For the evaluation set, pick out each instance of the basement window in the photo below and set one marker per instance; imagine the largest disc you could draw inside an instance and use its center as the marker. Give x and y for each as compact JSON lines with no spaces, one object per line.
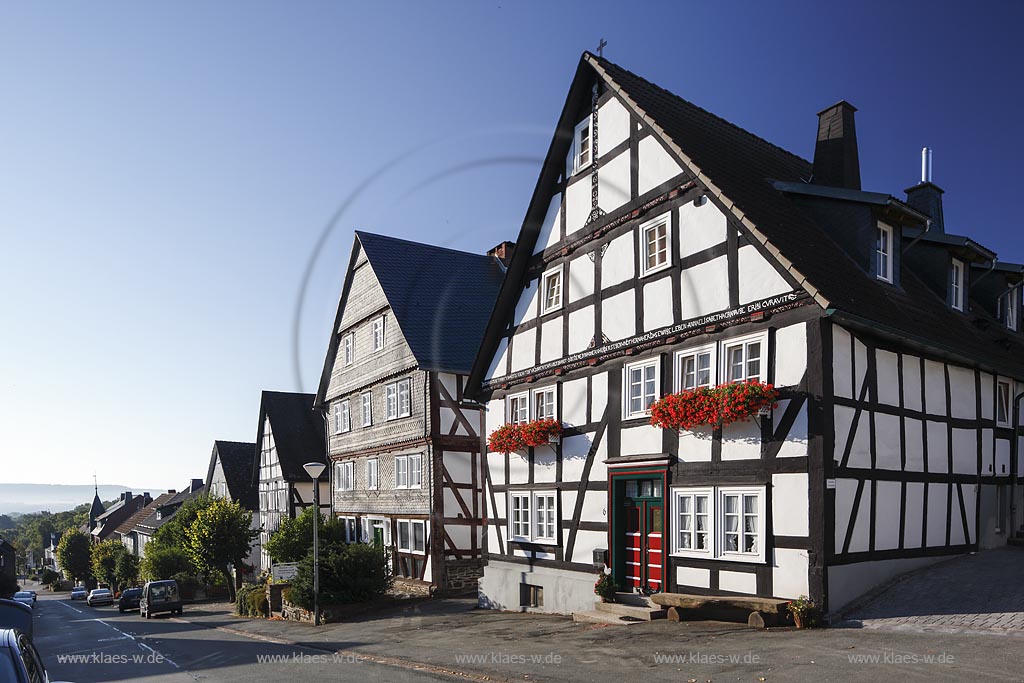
{"x":531,"y":595}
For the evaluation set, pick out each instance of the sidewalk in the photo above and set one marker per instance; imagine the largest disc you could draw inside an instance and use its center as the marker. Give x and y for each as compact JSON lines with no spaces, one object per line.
{"x":451,"y":638}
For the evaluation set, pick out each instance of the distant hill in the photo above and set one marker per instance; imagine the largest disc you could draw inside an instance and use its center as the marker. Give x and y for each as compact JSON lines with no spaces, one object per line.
{"x":21,"y":498}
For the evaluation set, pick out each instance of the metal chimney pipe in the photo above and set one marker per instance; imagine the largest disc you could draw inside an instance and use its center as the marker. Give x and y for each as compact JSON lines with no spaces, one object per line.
{"x":926,"y":165}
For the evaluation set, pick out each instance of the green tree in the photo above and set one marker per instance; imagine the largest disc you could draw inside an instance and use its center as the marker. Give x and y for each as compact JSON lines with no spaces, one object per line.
{"x":220,"y":537}
{"x":163,"y":562}
{"x":294,"y":538}
{"x":48,"y":577}
{"x":73,"y":555}
{"x":105,"y":557}
{"x":126,"y":570}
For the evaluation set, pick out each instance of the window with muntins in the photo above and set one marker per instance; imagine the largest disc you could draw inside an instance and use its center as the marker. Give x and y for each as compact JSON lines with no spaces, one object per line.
{"x":344,"y":476}
{"x":641,"y":381}
{"x":412,"y":536}
{"x":656,"y":245}
{"x":1012,"y":308}
{"x":956,"y":285}
{"x":533,"y":516}
{"x":378,"y":334}
{"x":725,"y":522}
{"x":372,"y":465}
{"x":408,"y":471}
{"x":544,"y":404}
{"x":1003,"y":403}
{"x":743,"y":359}
{"x":398,"y":401}
{"x":551,"y":290}
{"x":883,"y":252}
{"x":693,"y":521}
{"x":519,"y":408}
{"x":345,"y":416}
{"x":348,"y":344}
{"x":695,"y":368}
{"x":581,"y":146}
{"x":367,"y":408}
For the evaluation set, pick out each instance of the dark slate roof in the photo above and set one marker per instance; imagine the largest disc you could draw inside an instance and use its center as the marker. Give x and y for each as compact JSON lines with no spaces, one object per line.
{"x":140,"y":515}
{"x":237,"y":460}
{"x":97,"y":508}
{"x":743,"y":166}
{"x":298,"y":432}
{"x":441,"y":298}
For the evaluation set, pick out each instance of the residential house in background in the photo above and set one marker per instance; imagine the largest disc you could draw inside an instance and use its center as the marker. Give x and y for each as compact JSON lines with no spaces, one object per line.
{"x":127,"y":533}
{"x":404,"y":443}
{"x":290,"y":434}
{"x":665,"y":250}
{"x":104,"y":526}
{"x":143,"y":531}
{"x":230,"y":476}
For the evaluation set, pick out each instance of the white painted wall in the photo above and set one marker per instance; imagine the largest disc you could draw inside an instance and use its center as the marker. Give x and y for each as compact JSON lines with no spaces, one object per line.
{"x":550,"y":229}
{"x":613,"y":181}
{"x":704,"y":288}
{"x":700,"y":228}
{"x":655,"y":164}
{"x":613,"y":124}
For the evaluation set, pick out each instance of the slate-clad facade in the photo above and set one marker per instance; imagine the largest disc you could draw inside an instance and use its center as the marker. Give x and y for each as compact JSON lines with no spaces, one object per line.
{"x":665,"y":248}
{"x":404,"y":443}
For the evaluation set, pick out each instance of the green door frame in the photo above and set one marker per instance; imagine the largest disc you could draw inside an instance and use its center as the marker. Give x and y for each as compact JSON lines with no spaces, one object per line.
{"x":616,"y":505}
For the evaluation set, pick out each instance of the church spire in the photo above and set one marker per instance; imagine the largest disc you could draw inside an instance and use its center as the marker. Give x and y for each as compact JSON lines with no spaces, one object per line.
{"x":97,"y":508}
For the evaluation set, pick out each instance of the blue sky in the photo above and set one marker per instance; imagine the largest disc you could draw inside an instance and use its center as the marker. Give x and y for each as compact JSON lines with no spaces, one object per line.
{"x":166,"y":170}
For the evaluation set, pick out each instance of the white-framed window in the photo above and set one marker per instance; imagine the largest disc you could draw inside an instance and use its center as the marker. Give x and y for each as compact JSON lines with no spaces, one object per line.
{"x":956,"y":285}
{"x":1003,"y":398}
{"x":348,"y":348}
{"x":369,"y":527}
{"x":342,"y":417}
{"x":695,"y":368}
{"x":372,"y":470}
{"x":544,"y":405}
{"x":641,"y":381}
{"x":725,"y":522}
{"x":883,"y":252}
{"x":551,"y":290}
{"x":743,"y":359}
{"x":398,"y":399}
{"x":412,"y":536}
{"x":519,"y":408}
{"x":1012,"y":308}
{"x":581,"y":147}
{"x":533,"y":516}
{"x":378,"y":334}
{"x":693,"y":522}
{"x":655,"y":245}
{"x":408,"y":471}
{"x":351,"y":530}
{"x":367,"y":408}
{"x":344,"y":476}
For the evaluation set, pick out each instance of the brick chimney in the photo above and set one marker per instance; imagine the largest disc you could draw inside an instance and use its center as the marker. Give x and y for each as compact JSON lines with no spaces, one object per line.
{"x":836,"y":162}
{"x":503,"y":252}
{"x":926,"y":196}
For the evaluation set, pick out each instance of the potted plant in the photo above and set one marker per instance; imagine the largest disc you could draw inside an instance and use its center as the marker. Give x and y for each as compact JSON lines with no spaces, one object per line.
{"x":505,"y":439}
{"x":804,"y":611}
{"x":605,"y":587}
{"x":540,"y":432}
{"x":713,"y":406}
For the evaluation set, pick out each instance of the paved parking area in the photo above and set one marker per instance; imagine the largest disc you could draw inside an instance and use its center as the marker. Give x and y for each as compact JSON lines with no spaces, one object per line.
{"x":976,"y":593}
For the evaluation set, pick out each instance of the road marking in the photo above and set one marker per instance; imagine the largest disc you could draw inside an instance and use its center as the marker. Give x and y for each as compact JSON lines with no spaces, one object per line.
{"x":69,"y":606}
{"x":160,"y":654}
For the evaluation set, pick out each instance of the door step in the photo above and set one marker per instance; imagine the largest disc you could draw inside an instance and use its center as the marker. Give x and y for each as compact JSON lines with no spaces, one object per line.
{"x":599,"y":617}
{"x":642,"y":613}
{"x":635,"y":599}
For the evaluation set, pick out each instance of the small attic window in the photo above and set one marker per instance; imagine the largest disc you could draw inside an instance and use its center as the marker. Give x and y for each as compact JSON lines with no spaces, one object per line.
{"x":581,"y":145}
{"x":883,"y":252}
{"x":1012,"y":308}
{"x":956,"y":285}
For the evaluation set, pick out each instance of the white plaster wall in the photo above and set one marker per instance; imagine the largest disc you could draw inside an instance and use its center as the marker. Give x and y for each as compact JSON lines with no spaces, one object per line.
{"x":845,"y":491}
{"x":655,"y":164}
{"x":789,"y":505}
{"x":956,"y":524}
{"x":938,"y":447}
{"x":789,"y":573}
{"x":599,"y":395}
{"x":657,"y":304}
{"x":695,"y":445}
{"x":705,"y":288}
{"x":494,"y":414}
{"x":581,"y":329}
{"x":594,"y":507}
{"x":613,"y":124}
{"x":693,"y":576}
{"x":913,"y":436}
{"x":617,"y":263}
{"x":937,"y":513}
{"x":887,"y":367}
{"x":518,"y":469}
{"x":795,"y":443}
{"x":790,"y":354}
{"x":887,"y":442}
{"x":842,"y":382}
{"x":934,"y":388}
{"x":965,"y":451}
{"x":459,"y":466}
{"x":577,"y":205}
{"x":759,"y":278}
{"x":544,"y":459}
{"x":860,"y":541}
{"x":581,"y":278}
{"x":987,"y":455}
{"x":700,"y":228}
{"x":613,"y":182}
{"x":860,"y":450}
{"x":987,"y":393}
{"x":574,"y":402}
{"x":914,"y":515}
{"x":618,"y":316}
{"x":887,"y":515}
{"x":496,"y":468}
{"x":860,"y":353}
{"x":911,"y":382}
{"x":970,"y":506}
{"x":737,"y":582}
{"x":847,"y":582}
{"x":564,"y":592}
{"x":551,"y":340}
{"x":524,"y":349}
{"x":550,"y":229}
{"x":644,"y":439}
{"x":574,"y":456}
{"x":1002,"y":464}
{"x":586,"y":543}
{"x":961,"y":388}
{"x":500,"y":360}
{"x":741,"y":441}
{"x":526,"y":307}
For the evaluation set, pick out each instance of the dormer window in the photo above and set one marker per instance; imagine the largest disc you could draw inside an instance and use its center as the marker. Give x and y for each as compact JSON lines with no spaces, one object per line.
{"x":883,"y":252}
{"x":581,"y":145}
{"x":956,"y":285}
{"x":1012,"y":308}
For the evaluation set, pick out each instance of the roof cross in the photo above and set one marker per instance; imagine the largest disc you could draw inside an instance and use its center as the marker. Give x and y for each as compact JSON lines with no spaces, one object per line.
{"x":601,"y":46}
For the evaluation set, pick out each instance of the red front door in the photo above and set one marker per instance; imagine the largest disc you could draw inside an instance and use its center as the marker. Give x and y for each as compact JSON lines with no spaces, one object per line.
{"x":644,"y":560}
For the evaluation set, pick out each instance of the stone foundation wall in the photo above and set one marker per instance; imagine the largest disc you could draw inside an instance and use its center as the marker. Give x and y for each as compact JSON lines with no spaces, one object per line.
{"x":462,"y":576}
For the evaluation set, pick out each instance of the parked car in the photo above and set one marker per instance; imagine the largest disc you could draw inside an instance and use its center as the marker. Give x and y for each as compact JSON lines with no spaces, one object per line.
{"x":19,"y":659}
{"x":26,"y":598}
{"x":100,"y":596}
{"x":16,"y":615}
{"x":79,"y":593}
{"x":160,"y":596}
{"x":129,"y":599}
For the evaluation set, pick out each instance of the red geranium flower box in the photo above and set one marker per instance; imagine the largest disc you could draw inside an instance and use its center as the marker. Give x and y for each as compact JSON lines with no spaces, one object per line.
{"x":717,"y":406}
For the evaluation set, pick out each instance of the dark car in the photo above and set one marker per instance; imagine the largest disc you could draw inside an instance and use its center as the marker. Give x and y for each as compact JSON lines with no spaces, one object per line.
{"x":19,"y":660}
{"x":16,"y":615}
{"x":129,"y":599}
{"x":160,"y":596}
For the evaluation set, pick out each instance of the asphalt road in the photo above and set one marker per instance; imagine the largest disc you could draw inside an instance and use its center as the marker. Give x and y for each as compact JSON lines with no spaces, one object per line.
{"x":91,"y":644}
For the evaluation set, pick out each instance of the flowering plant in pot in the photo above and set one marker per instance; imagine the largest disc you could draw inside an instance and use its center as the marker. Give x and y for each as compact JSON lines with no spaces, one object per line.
{"x":714,"y":406}
{"x":605,"y":587}
{"x":506,"y":439}
{"x":804,"y":611}
{"x":540,"y":432}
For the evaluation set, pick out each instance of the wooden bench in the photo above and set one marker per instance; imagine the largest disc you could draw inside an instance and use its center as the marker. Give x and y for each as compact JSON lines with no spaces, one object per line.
{"x":761,"y":612}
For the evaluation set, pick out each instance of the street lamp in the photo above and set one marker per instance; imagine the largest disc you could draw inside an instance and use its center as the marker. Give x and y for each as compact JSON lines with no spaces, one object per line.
{"x":314,"y":470}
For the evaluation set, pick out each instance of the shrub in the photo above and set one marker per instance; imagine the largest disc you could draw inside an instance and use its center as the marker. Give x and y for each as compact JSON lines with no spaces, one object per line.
{"x":605,"y":587}
{"x":355,"y":572}
{"x":294,"y":538}
{"x":251,"y":600}
{"x":48,"y":577}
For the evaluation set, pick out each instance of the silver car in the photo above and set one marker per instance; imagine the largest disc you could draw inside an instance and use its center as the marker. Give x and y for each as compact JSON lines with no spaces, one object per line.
{"x":25,"y":598}
{"x":100,"y":596}
{"x":79,"y":593}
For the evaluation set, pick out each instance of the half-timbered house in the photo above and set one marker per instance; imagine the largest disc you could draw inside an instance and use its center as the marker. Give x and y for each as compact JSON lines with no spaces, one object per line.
{"x":665,"y":250}
{"x":290,"y":433}
{"x":403,"y":440}
{"x":230,"y":477}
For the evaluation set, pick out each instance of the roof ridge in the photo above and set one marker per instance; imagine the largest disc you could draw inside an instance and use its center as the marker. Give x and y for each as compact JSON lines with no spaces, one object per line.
{"x":421,"y":245}
{"x":713,"y":115}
